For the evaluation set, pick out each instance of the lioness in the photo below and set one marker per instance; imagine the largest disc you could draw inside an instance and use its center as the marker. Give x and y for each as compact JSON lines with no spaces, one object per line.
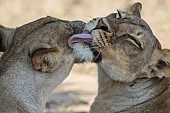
{"x":36,"y":59}
{"x":134,"y":68}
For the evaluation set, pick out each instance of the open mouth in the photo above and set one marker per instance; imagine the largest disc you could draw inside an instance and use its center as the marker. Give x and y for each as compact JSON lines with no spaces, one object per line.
{"x":80,"y":38}
{"x":85,"y":47}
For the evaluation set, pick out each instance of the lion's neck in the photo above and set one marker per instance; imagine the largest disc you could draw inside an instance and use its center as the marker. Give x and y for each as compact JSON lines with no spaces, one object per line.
{"x":24,"y":91}
{"x":116,"y":96}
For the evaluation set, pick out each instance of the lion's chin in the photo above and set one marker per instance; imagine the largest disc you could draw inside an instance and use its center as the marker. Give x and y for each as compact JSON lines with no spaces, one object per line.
{"x":82,"y":53}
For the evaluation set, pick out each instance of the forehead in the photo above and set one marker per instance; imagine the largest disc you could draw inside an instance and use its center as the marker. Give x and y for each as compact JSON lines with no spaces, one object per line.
{"x":129,"y":19}
{"x":46,"y":32}
{"x":44,"y":28}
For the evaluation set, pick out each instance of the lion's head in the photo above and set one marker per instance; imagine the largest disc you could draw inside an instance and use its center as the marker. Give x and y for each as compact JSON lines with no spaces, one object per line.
{"x":127,"y":45}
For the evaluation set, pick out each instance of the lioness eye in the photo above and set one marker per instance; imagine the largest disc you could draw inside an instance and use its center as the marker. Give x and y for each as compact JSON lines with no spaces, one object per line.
{"x":135,"y":42}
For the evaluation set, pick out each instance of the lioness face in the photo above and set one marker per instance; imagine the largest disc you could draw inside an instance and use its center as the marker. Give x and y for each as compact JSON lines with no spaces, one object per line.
{"x":43,"y":43}
{"x":39,"y":48}
{"x":36,"y":59}
{"x":126,"y":44}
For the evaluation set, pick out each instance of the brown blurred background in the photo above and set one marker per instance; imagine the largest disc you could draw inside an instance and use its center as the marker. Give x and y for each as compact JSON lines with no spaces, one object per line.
{"x":78,"y":91}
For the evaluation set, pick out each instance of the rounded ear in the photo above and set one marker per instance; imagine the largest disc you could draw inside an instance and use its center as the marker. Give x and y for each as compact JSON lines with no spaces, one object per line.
{"x":136,"y":9}
{"x":160,"y":64}
{"x":6,"y":37}
{"x":45,"y":60}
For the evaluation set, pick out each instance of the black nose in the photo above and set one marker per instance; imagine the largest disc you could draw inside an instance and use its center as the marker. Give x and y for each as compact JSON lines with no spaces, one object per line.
{"x":101,"y":25}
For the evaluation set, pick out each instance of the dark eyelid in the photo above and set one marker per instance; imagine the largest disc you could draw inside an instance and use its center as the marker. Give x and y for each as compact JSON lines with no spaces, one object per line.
{"x":132,"y":38}
{"x":136,"y":41}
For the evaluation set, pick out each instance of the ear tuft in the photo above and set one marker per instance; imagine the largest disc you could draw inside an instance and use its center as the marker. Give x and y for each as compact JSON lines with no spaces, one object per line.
{"x":45,"y":60}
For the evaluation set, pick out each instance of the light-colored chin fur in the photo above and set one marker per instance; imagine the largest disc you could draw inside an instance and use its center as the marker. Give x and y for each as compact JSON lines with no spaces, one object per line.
{"x":82,"y":53}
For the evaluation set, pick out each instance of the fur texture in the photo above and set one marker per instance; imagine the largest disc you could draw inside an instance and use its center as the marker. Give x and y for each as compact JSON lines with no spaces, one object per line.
{"x":82,"y":52}
{"x":130,"y":73}
{"x":35,"y":61}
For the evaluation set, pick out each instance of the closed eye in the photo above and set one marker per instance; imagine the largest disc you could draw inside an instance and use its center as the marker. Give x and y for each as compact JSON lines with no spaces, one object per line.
{"x":134,"y":41}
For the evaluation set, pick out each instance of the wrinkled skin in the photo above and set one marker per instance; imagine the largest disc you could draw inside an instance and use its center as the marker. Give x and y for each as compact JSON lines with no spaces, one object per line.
{"x":36,"y":59}
{"x":133,"y":74}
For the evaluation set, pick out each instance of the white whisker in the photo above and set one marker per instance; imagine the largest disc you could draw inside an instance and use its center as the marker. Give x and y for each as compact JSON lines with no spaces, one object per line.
{"x":97,"y":55}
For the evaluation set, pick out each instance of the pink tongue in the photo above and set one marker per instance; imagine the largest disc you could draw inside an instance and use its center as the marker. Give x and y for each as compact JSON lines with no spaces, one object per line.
{"x":78,"y":38}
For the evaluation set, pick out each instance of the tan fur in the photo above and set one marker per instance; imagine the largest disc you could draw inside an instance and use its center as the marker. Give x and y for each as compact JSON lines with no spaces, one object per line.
{"x":46,"y":60}
{"x":132,"y":64}
{"x":35,"y":61}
